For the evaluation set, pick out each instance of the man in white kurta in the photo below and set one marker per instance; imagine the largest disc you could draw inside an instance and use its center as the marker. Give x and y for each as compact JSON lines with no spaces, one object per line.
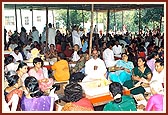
{"x":76,"y":37}
{"x":159,"y":72}
{"x":117,"y":49}
{"x":51,"y":35}
{"x":108,"y":56}
{"x":17,"y":55}
{"x":35,"y":34}
{"x":95,"y":68}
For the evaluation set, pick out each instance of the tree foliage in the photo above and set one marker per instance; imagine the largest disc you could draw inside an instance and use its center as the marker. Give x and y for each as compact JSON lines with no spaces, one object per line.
{"x":130,"y":18}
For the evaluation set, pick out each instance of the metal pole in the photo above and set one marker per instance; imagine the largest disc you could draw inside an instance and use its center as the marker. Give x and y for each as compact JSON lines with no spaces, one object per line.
{"x":46,"y":25}
{"x":16,"y":18}
{"x":91,"y":31}
{"x":21,"y":17}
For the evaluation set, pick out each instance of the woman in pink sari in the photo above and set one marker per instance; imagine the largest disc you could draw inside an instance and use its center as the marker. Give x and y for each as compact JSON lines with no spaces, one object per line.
{"x":44,"y":83}
{"x":155,"y":102}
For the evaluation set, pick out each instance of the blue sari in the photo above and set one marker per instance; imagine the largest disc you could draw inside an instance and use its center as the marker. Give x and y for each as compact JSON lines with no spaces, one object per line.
{"x":121,"y":75}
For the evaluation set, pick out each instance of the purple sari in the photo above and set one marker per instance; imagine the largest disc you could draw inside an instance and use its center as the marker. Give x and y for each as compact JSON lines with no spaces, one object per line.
{"x":42,"y":103}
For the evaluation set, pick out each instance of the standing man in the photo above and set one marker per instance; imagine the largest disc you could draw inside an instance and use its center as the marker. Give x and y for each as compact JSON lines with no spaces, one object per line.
{"x":76,"y":37}
{"x":35,"y":34}
{"x":51,"y":34}
{"x":108,"y":55}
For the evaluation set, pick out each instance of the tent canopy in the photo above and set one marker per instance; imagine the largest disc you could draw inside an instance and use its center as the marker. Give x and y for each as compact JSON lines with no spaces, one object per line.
{"x":76,"y":6}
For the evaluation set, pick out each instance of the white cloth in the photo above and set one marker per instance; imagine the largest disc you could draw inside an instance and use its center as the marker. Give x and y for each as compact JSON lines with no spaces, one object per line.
{"x":157,"y":41}
{"x":13,"y":46}
{"x":11,"y":66}
{"x":17,"y":57}
{"x":76,"y":38}
{"x":35,"y":35}
{"x":117,"y":50}
{"x":160,"y":77}
{"x":108,"y":57}
{"x":26,"y":52}
{"x":75,"y":56}
{"x":92,"y":74}
{"x":51,"y":36}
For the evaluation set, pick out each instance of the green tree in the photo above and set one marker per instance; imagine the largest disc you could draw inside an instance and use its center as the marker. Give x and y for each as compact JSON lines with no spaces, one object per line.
{"x":75,"y":16}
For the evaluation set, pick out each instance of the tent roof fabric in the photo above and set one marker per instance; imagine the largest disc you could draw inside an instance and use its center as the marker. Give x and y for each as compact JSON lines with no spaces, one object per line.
{"x":77,"y":6}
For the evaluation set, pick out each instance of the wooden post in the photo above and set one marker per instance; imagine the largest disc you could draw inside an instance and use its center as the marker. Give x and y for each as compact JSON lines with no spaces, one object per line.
{"x":53,"y":18}
{"x":91,"y":31}
{"x":97,"y":19}
{"x":16,"y":18}
{"x":46,"y":25}
{"x":114,"y":22}
{"x":108,"y":20}
{"x":139,"y":20}
{"x":122,"y":20}
{"x":83,"y":19}
{"x":21,"y":17}
{"x":32,"y":18}
{"x":67,"y":28}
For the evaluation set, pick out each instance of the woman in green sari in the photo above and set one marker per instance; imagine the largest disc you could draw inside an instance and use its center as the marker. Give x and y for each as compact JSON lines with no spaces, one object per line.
{"x":141,"y":74}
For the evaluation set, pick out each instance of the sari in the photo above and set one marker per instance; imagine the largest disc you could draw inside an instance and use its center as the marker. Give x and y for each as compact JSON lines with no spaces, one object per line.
{"x":42,"y":103}
{"x":130,"y":84}
{"x":121,"y":75}
{"x":83,"y":104}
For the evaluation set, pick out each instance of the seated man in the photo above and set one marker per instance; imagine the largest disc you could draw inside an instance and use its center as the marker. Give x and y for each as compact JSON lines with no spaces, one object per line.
{"x":17,"y":55}
{"x":94,"y":68}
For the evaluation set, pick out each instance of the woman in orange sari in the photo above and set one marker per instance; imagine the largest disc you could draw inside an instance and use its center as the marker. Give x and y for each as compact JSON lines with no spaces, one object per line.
{"x":76,"y":100}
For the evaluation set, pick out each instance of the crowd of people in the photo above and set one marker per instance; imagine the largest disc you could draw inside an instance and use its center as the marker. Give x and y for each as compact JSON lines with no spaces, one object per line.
{"x":140,"y":59}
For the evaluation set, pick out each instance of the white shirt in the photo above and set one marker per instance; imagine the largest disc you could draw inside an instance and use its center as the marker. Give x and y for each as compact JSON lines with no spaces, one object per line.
{"x":51,"y":36}
{"x":160,"y":77}
{"x":117,"y":50}
{"x":17,"y":57}
{"x":92,"y":74}
{"x":25,"y":51}
{"x":76,"y":38}
{"x":35,"y":35}
{"x":11,"y":66}
{"x":13,"y":46}
{"x":75,"y":56}
{"x":108,"y":57}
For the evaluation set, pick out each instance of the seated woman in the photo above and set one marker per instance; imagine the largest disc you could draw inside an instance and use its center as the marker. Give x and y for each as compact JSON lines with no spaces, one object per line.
{"x":44,"y":83}
{"x":151,"y":59}
{"x":122,"y":70}
{"x":9,"y":64}
{"x":76,"y":100}
{"x":22,"y":71}
{"x":52,"y":53}
{"x":141,"y":73}
{"x":121,"y":102}
{"x":155,"y":102}
{"x":14,"y":87}
{"x":34,"y":99}
{"x":61,"y":68}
